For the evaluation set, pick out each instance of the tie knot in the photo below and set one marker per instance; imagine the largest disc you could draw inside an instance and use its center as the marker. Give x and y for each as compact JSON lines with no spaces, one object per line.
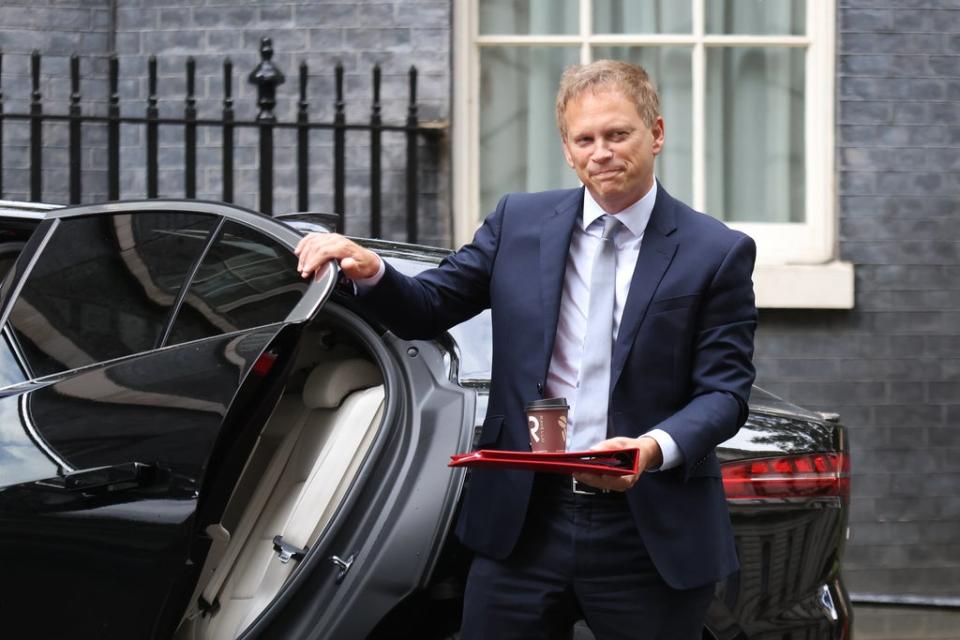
{"x":610,"y":227}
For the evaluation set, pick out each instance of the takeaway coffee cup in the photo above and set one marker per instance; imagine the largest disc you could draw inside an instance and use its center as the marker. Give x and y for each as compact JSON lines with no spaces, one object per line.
{"x":547,"y":424}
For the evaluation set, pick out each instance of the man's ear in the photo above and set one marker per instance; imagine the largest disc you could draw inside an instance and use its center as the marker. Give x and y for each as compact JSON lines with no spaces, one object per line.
{"x":658,"y":135}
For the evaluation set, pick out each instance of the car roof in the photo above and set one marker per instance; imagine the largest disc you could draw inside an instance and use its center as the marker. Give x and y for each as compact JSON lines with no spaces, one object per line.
{"x":25,"y":210}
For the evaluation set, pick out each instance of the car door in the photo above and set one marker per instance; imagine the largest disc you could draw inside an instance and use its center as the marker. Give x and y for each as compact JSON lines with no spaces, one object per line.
{"x":143,"y":347}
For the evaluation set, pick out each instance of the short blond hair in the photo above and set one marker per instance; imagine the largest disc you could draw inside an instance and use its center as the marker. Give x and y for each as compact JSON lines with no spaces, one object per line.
{"x":631,"y":80}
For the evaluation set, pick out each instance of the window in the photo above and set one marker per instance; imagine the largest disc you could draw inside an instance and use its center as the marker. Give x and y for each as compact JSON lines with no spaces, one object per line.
{"x":104,"y":287}
{"x":22,"y":455}
{"x":245,"y":280}
{"x":11,"y":369}
{"x":747,"y":98}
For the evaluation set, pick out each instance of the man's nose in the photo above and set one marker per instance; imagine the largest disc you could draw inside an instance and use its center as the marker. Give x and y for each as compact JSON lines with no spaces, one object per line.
{"x":601,"y":153}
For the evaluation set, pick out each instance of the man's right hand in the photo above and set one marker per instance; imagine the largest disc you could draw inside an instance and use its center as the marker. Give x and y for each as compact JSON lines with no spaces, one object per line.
{"x":316,"y":249}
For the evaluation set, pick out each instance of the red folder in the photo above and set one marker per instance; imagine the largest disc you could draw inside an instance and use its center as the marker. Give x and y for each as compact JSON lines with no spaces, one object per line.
{"x":616,"y":462}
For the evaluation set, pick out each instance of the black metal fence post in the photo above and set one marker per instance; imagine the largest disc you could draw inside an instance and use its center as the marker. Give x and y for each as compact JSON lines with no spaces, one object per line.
{"x":267,"y":77}
{"x":303,"y":144}
{"x":1,"y":124}
{"x":227,"y":130}
{"x":153,"y":128}
{"x":339,"y":148}
{"x":113,"y":132}
{"x":75,"y":139}
{"x":190,"y":133}
{"x":36,"y":130}
{"x":375,"y":144}
{"x":412,"y":168}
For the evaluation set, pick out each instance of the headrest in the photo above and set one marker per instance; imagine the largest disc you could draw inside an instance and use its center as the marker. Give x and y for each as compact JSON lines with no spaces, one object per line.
{"x":330,"y":382}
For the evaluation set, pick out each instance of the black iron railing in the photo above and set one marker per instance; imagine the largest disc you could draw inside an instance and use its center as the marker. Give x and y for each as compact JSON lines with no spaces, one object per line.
{"x":267,"y":77}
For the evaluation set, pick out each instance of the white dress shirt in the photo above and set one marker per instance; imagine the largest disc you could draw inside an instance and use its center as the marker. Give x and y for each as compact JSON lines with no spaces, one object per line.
{"x":563,"y":375}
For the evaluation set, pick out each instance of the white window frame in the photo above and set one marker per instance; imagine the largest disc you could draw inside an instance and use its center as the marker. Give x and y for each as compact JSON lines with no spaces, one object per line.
{"x":796,"y":262}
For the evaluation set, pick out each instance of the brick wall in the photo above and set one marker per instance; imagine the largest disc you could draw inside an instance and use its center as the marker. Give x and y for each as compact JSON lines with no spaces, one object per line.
{"x":56,"y":28}
{"x":891,"y":366}
{"x":394,"y":35}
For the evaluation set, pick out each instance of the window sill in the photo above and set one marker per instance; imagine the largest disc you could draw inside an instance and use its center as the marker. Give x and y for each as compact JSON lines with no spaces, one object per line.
{"x":819,"y":286}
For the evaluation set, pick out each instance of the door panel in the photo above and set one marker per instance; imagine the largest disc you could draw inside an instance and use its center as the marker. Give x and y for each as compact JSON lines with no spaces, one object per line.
{"x":109,"y":532}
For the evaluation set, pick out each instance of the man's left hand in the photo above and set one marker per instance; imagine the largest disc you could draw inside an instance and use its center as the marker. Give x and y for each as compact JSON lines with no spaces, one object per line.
{"x":649,"y":454}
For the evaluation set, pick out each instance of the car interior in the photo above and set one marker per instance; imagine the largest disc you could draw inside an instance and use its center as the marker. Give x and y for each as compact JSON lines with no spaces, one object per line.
{"x":303,"y":463}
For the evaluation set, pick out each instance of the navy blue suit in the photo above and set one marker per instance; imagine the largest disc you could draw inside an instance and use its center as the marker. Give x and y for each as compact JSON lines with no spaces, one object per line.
{"x":681,"y":362}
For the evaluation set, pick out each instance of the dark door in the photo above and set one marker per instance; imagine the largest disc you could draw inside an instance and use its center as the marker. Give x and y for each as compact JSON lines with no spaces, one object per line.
{"x":143,"y":347}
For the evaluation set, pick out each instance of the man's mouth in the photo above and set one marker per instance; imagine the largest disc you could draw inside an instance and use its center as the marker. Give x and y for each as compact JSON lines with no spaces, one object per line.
{"x":608,"y":173}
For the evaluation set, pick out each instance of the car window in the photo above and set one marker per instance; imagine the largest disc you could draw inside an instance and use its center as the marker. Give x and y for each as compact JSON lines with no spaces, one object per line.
{"x":474,"y":340}
{"x":246,"y":280}
{"x":11,"y":367}
{"x":8,"y":255}
{"x":474,"y":337}
{"x":104,"y":287}
{"x":7,"y":260}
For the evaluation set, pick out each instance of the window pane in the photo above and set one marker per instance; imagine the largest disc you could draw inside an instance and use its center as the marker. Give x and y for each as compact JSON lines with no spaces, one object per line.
{"x":529,"y":17}
{"x":520,"y":146}
{"x":671,"y":71}
{"x":474,"y":338}
{"x":755,"y":136}
{"x":11,"y":369}
{"x":650,"y":16}
{"x":246,"y":280}
{"x":756,"y":17}
{"x":103,"y":287}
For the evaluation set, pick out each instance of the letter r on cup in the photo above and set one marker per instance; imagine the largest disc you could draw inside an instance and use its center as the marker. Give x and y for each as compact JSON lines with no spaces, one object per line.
{"x":533,"y":423}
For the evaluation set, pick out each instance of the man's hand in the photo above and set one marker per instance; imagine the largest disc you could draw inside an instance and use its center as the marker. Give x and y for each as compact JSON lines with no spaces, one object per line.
{"x":316,"y":249}
{"x":649,"y":454}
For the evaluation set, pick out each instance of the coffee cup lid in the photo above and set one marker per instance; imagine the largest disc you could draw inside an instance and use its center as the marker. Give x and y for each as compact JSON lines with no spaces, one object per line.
{"x":548,"y":403}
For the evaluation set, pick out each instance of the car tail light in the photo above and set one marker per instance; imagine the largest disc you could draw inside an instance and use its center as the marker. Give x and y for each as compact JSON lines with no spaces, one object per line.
{"x":812,"y":475}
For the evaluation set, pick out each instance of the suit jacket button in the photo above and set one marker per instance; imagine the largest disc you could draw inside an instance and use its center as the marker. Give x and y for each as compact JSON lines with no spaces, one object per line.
{"x":540,"y":387}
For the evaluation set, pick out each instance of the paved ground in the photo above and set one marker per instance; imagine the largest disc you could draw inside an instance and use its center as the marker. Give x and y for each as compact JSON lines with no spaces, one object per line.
{"x":905,"y":623}
{"x":883,"y":623}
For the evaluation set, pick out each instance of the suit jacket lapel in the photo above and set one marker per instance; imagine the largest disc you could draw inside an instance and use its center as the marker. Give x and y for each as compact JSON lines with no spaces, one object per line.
{"x":555,"y":232}
{"x":656,"y":253}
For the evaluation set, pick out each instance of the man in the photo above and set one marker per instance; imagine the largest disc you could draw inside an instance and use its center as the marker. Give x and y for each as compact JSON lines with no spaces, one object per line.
{"x":640,"y":312}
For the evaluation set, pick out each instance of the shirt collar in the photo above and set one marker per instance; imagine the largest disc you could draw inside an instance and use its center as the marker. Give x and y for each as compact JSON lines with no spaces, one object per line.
{"x":635,"y":217}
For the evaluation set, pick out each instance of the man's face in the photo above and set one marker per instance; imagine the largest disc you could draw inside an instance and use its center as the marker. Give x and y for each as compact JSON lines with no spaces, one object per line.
{"x":610,"y":147}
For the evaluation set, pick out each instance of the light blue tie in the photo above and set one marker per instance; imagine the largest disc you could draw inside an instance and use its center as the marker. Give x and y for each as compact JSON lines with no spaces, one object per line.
{"x":590,"y":414}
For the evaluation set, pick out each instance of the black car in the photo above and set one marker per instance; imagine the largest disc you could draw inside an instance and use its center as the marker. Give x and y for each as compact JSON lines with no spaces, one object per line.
{"x":195,"y":443}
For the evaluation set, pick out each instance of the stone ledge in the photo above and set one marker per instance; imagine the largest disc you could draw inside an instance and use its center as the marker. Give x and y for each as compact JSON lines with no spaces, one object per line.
{"x":820,"y":286}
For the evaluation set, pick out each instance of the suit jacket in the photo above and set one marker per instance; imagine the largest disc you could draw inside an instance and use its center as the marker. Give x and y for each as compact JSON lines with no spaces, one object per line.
{"x":681,"y":362}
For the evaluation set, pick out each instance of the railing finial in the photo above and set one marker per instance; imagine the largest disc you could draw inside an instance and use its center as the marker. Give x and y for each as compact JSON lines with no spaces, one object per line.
{"x":267,"y":77}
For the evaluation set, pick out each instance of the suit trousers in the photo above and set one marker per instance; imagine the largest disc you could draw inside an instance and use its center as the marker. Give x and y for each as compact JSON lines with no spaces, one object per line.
{"x":579,"y":556}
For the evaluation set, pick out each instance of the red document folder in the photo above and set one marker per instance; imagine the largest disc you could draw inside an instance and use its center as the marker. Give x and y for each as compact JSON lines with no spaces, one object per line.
{"x":616,"y":462}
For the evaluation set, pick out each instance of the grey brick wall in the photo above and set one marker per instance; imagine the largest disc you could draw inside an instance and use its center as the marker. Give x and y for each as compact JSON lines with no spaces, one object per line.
{"x":56,"y":28}
{"x":891,"y":366}
{"x":394,"y":35}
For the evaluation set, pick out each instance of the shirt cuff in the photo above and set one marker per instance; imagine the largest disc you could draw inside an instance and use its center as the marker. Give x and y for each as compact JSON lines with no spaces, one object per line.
{"x":364,"y":284}
{"x":668,"y":448}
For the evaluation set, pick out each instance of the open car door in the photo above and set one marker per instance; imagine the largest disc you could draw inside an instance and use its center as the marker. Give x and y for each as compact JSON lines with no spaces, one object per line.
{"x":143,"y":347}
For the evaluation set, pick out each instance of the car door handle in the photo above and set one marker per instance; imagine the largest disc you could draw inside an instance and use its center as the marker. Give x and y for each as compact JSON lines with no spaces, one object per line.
{"x":120,"y":477}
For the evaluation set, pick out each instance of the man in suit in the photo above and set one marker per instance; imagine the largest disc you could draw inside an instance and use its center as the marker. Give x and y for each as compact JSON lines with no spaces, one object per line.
{"x":639,"y":311}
